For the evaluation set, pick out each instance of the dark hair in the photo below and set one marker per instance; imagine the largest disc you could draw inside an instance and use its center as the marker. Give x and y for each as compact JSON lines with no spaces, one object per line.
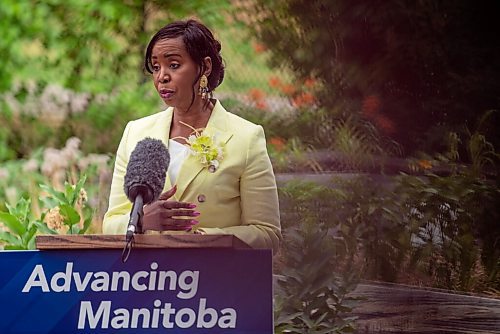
{"x":199,"y":42}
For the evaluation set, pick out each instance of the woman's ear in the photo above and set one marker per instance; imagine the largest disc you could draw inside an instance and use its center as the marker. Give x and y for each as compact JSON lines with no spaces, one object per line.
{"x":207,"y":62}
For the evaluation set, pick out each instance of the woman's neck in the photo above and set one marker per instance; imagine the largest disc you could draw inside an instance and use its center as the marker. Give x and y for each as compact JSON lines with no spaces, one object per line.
{"x":196,"y":116}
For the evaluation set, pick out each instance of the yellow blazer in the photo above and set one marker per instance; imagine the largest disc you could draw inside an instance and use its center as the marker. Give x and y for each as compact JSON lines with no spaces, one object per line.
{"x":240,"y":197}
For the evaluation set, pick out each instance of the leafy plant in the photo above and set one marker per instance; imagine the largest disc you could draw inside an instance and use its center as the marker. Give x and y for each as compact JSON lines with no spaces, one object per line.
{"x":69,"y":207}
{"x":310,"y":295}
{"x":457,"y":214}
{"x":20,"y":228}
{"x":438,"y":230}
{"x":90,"y":46}
{"x":358,"y":142}
{"x":314,"y":276}
{"x":66,"y":212}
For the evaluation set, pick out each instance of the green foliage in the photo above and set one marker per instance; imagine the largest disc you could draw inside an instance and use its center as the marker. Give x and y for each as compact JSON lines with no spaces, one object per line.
{"x":36,"y":116}
{"x":373,"y":224}
{"x":68,"y":212}
{"x":76,"y":215}
{"x":431,"y":64}
{"x":19,"y":229}
{"x":283,"y":124}
{"x":310,"y":296}
{"x":454,"y":216}
{"x":457,"y":215}
{"x":294,"y":156}
{"x":358,"y":142}
{"x":364,"y":214}
{"x":102,"y":124}
{"x":86,"y":45}
{"x":313,"y":283}
{"x":50,"y":171}
{"x":439,"y":230}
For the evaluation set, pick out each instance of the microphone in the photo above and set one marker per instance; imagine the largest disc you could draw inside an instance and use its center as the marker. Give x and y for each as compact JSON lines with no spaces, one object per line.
{"x":144,"y":179}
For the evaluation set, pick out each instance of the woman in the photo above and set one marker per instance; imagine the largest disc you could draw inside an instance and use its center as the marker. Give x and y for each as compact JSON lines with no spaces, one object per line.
{"x":232,"y":189}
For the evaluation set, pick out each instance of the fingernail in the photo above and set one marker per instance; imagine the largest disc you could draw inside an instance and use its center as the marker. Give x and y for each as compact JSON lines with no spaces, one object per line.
{"x":192,"y":206}
{"x":196,"y":213}
{"x":194,"y":222}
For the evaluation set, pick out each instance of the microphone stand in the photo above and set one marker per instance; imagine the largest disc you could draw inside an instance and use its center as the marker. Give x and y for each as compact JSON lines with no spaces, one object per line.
{"x":134,"y":225}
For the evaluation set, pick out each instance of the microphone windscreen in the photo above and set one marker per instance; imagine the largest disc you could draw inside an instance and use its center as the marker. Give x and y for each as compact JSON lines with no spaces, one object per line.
{"x":146,"y":170}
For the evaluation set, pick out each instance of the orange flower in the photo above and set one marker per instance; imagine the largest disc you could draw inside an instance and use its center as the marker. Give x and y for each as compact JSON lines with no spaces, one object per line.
{"x":259,"y":47}
{"x":256,"y":94}
{"x":384,"y":124}
{"x":298,"y":101}
{"x":308,"y":98}
{"x":304,"y":99}
{"x":309,"y":82}
{"x":261,"y":105}
{"x":371,"y":105}
{"x":424,"y":164}
{"x":278,"y":143}
{"x":275,"y":82}
{"x":288,"y":89}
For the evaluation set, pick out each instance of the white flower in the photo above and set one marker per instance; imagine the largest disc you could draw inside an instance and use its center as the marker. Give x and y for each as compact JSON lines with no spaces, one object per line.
{"x":99,"y":160}
{"x":82,"y":196}
{"x":54,"y":219}
{"x":71,"y":149}
{"x":4,"y":173}
{"x":79,"y":103}
{"x":30,"y":166}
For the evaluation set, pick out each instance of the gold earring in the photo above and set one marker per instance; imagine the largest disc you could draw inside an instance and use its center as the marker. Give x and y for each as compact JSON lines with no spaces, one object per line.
{"x":203,"y":90}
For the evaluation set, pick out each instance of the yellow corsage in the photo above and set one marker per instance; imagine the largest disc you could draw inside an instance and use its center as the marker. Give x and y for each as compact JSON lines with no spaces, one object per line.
{"x":207,"y":150}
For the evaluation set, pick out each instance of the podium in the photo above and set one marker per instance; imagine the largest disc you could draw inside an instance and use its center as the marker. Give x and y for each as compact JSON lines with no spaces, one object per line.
{"x":181,"y":283}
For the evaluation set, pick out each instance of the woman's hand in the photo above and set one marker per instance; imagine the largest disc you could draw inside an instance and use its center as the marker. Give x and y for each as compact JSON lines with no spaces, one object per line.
{"x":165,"y":215}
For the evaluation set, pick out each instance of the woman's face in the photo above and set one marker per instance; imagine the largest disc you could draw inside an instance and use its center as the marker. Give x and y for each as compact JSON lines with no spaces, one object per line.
{"x":174,"y":73}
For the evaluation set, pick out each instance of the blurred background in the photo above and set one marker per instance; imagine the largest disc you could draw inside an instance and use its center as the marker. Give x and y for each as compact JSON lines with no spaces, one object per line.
{"x":382,"y":121}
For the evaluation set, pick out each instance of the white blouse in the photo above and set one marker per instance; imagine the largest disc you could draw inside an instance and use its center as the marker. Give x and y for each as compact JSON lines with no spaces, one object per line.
{"x":178,"y":153}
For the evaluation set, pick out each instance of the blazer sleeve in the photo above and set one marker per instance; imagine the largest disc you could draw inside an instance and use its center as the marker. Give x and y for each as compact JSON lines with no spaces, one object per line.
{"x":117,"y":217}
{"x":260,"y":217}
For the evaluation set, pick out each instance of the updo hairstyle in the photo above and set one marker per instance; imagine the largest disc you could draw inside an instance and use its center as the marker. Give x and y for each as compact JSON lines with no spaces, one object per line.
{"x":199,"y":42}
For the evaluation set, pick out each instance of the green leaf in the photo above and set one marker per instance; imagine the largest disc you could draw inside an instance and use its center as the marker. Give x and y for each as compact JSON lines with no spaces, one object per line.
{"x":12,"y":223}
{"x":71,"y":215}
{"x":43,"y":228}
{"x":21,"y":210}
{"x":78,"y":187}
{"x":31,"y":244}
{"x":9,"y":238}
{"x":29,"y":241}
{"x":49,"y":202}
{"x":14,"y":247}
{"x":69,"y":193}
{"x":86,"y":224}
{"x":55,"y":194}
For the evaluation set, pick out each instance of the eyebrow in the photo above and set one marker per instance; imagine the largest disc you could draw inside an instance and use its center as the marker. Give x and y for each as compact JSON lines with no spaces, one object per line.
{"x":168,"y":55}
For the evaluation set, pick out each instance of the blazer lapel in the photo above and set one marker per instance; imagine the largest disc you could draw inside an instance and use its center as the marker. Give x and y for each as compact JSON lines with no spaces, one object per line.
{"x":192,"y":167}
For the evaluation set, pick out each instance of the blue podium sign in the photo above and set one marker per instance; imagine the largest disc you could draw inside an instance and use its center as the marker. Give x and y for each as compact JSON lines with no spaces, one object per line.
{"x":155,"y":291}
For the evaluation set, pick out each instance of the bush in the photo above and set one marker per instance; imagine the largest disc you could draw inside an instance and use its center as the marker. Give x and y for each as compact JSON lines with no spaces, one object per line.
{"x":438,"y":230}
{"x":313,"y":276}
{"x":47,"y":116}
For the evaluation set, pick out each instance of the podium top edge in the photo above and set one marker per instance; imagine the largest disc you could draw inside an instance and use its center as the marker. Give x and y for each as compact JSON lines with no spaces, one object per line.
{"x":96,"y":241}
